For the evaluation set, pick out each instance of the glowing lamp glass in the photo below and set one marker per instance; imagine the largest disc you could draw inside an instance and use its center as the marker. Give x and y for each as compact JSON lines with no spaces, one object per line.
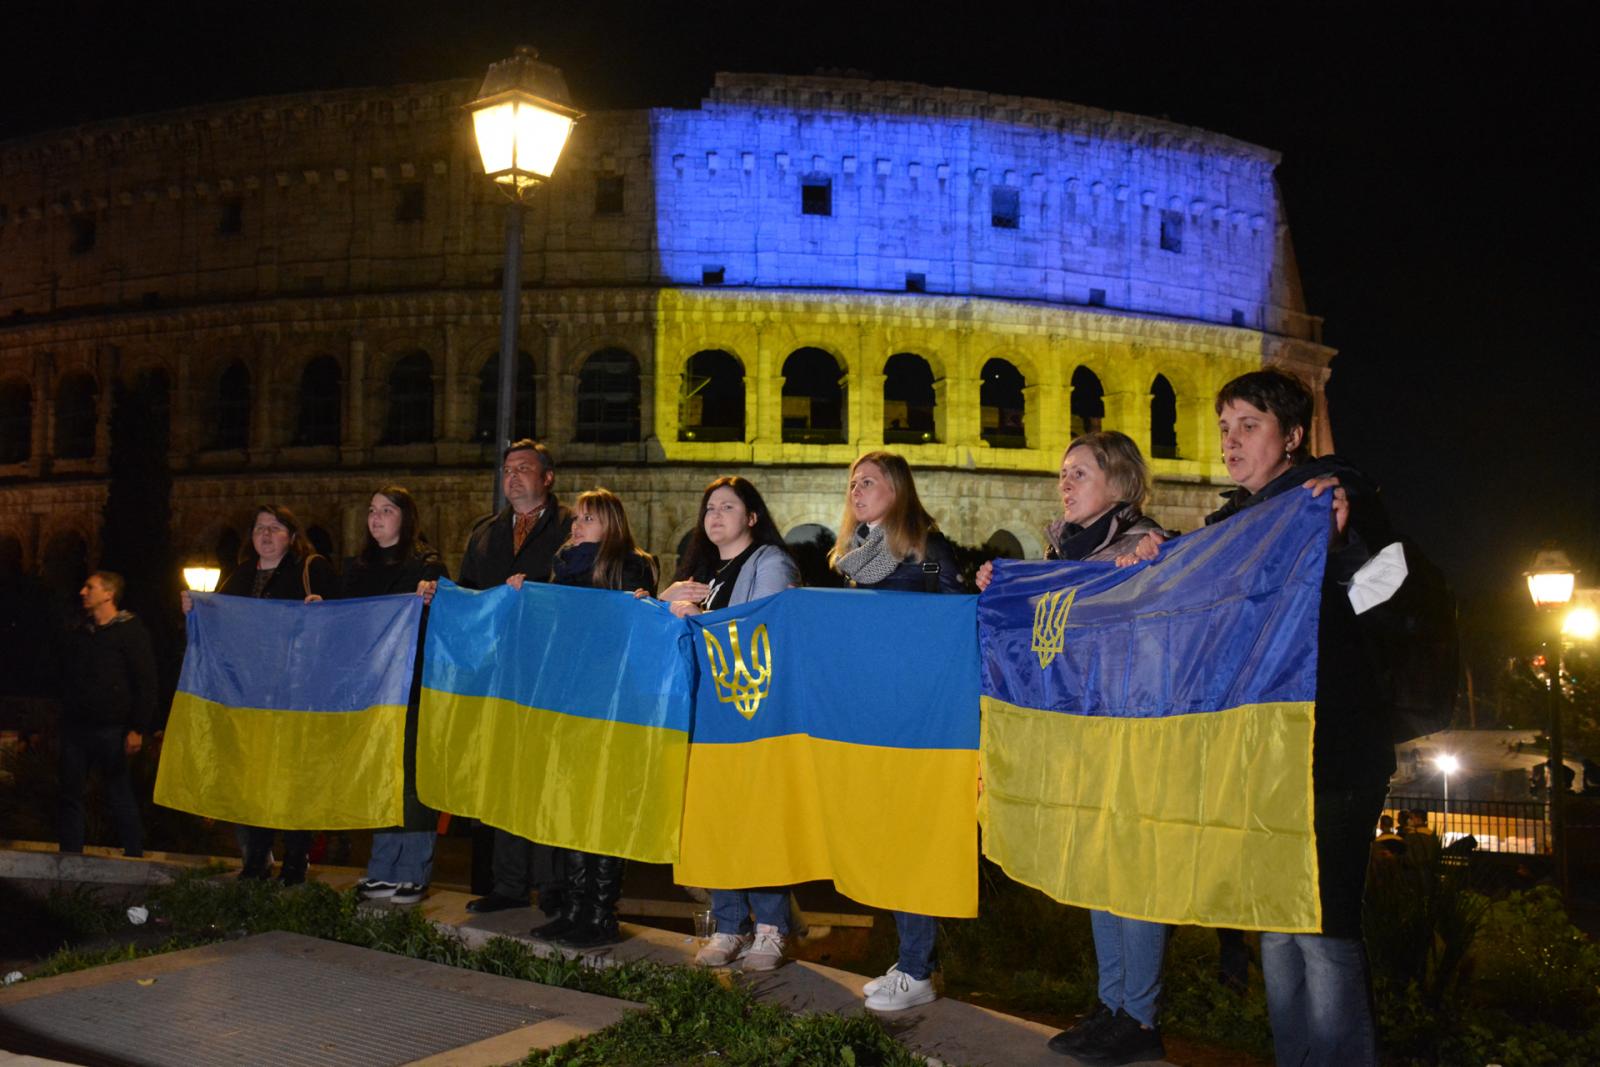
{"x":1447,"y":764}
{"x":1551,"y":588}
{"x":1581,"y":624}
{"x":202,"y":579}
{"x":519,"y":141}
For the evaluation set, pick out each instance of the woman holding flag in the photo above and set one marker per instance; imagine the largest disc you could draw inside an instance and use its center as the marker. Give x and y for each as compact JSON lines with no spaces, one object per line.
{"x":894,"y":544}
{"x":1319,"y":999}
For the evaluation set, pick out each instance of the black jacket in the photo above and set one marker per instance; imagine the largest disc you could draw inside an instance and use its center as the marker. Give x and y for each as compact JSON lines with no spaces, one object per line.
{"x":1351,"y":746}
{"x":109,"y":676}
{"x":388,"y":575}
{"x":288,"y":582}
{"x":489,"y":561}
{"x":914,"y":576}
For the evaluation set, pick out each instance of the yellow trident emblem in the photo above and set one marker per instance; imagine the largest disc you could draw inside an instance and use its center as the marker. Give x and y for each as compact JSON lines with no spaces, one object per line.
{"x":737,"y":684}
{"x":1050,"y":624}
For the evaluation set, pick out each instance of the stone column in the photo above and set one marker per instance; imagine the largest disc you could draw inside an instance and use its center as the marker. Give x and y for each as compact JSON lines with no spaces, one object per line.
{"x":106,"y":372}
{"x":356,"y":435}
{"x":556,"y":398}
{"x":1197,"y":428}
{"x":1129,"y":412}
{"x":44,"y":409}
{"x":451,"y":424}
{"x":263,"y":433}
{"x":767,"y":391}
{"x":870,"y":434}
{"x":180,"y":442}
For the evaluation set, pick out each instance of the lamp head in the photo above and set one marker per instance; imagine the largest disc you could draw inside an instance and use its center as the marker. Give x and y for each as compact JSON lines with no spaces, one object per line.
{"x":522,"y":118}
{"x":1551,"y":579}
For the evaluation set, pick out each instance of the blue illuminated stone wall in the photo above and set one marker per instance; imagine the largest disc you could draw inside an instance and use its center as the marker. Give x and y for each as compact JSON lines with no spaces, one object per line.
{"x":916,"y":176}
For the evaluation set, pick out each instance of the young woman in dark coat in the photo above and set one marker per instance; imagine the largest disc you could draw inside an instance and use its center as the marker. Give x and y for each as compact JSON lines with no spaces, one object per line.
{"x":277,"y":563}
{"x":394,"y":560}
{"x":599,"y":554}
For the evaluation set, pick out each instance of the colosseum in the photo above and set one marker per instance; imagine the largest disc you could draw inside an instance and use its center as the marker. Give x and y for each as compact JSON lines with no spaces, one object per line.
{"x":796,"y":271}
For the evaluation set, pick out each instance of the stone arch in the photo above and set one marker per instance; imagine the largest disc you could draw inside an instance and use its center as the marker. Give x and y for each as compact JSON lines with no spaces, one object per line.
{"x":1163,"y":419}
{"x":16,"y":421}
{"x":711,"y":397}
{"x":1087,"y":406}
{"x":815,"y":397}
{"x":1003,"y":544}
{"x":1002,"y":404}
{"x":408,"y":411}
{"x":320,"y":403}
{"x":608,"y":397}
{"x":525,"y":414}
{"x":77,"y":416}
{"x":910,"y":403}
{"x":231,"y":407}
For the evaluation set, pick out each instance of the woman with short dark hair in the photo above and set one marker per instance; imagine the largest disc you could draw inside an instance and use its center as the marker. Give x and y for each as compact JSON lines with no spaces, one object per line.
{"x":1318,"y":996}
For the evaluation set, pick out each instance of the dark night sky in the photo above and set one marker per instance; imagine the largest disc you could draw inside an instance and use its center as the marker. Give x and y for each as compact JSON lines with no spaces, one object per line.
{"x":1431,"y":172}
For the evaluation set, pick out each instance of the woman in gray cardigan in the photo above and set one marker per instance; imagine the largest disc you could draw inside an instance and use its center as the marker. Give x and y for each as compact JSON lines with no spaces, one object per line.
{"x":737,"y":555}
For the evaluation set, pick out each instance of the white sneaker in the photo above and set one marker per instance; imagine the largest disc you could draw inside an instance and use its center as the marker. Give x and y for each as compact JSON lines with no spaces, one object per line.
{"x":900,"y":991}
{"x":766,"y":951}
{"x":888,"y":976}
{"x":721,"y":949}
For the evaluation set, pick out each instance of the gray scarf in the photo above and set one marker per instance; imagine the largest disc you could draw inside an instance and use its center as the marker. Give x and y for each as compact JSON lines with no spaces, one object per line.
{"x":869,"y":560}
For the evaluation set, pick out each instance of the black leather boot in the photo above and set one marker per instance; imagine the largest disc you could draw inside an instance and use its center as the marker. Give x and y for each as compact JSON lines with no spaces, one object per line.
{"x":598,"y":918}
{"x":568,"y":918}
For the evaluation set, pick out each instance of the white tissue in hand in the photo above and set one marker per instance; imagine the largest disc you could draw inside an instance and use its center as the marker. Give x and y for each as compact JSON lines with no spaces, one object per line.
{"x":1378,"y":578}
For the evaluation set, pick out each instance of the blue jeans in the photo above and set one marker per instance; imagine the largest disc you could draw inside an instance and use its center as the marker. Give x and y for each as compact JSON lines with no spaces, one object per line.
{"x":1318,"y":1000}
{"x":917,"y":936}
{"x":406,"y":856}
{"x":1130,"y":954}
{"x":732,"y":909}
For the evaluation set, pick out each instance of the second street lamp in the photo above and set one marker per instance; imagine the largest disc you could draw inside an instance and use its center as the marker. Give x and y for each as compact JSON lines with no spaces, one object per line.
{"x":1551,"y":581}
{"x":521,"y":120}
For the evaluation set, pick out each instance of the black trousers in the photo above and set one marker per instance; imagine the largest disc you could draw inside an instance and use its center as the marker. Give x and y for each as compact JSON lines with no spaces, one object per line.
{"x":258,"y":846}
{"x":521,"y":866}
{"x":100,"y":749}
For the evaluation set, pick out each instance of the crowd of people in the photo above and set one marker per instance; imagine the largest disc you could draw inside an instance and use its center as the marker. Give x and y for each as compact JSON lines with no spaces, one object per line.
{"x":1318,"y":991}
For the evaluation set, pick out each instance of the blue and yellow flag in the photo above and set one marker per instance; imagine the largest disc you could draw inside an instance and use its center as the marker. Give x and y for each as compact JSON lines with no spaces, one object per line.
{"x":1147,"y":731}
{"x":558,"y":714}
{"x":835,"y":737}
{"x":292,"y":715}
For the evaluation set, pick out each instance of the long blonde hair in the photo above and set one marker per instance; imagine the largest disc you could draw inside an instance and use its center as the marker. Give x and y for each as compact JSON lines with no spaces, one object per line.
{"x":907,"y":524}
{"x":616,"y":543}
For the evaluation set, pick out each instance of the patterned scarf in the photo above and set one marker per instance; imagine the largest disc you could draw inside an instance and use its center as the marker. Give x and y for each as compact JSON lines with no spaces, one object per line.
{"x":869,"y":560}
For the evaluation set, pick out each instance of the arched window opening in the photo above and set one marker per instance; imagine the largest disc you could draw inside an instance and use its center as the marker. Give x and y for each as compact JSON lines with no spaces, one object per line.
{"x":813,"y":398}
{"x":908,"y":400}
{"x":410,"y":414}
{"x":809,"y":544}
{"x":1163,"y":419}
{"x":1088,"y":402}
{"x":75,"y":417}
{"x":227,"y":548}
{"x":711,"y":404}
{"x":233,"y":408}
{"x":1003,"y":544}
{"x":608,"y":398}
{"x":1001,"y":404}
{"x":524,"y":417}
{"x":16,"y":422}
{"x":321,"y":540}
{"x":318,"y":421}
{"x":65,"y":561}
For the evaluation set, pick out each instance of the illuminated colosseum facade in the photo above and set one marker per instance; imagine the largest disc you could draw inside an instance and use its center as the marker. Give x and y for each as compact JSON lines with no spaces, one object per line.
{"x":799,"y":270}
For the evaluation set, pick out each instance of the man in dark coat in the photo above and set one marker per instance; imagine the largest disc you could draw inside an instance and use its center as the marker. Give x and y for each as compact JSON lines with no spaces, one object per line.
{"x":521,"y":539}
{"x":108,"y":701}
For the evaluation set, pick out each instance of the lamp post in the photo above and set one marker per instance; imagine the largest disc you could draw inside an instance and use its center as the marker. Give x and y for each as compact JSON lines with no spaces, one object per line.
{"x":1551,"y":580}
{"x":1447,"y":765}
{"x":521,"y":120}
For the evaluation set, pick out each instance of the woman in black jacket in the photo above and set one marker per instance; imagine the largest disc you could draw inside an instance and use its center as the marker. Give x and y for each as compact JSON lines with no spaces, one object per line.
{"x":393,"y":561}
{"x":1319,"y":998}
{"x":894,"y":544}
{"x":277,"y":563}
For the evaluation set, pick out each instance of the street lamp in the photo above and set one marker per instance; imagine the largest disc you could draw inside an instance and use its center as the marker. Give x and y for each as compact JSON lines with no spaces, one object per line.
{"x":200,"y":577}
{"x":521,"y":119}
{"x":1551,"y":581}
{"x":1447,"y":765}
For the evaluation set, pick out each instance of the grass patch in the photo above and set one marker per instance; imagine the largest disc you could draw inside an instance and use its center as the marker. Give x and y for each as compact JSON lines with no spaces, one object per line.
{"x":696,"y":1017}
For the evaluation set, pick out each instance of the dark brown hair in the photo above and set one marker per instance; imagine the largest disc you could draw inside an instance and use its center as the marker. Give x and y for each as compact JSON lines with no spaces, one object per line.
{"x":1279,"y":394}
{"x":702,"y":556}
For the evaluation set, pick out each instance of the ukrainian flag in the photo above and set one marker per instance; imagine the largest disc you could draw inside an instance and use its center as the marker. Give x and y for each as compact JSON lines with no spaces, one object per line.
{"x":1147,"y":731}
{"x":559,"y":714}
{"x":292,"y":715}
{"x":835,"y":737}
